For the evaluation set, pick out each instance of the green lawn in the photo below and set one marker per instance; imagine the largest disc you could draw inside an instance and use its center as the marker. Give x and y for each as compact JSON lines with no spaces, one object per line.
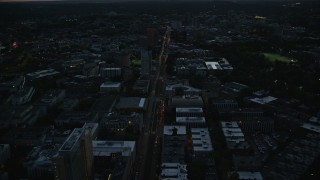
{"x":276,"y":57}
{"x":137,"y":62}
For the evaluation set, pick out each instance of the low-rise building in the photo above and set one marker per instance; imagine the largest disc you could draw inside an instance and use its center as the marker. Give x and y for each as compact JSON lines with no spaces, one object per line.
{"x":191,"y":67}
{"x":16,"y":115}
{"x":23,"y":96}
{"x":233,"y":135}
{"x":42,"y":74}
{"x":73,"y":118}
{"x":247,"y":175}
{"x":116,"y":122}
{"x":11,"y":82}
{"x":131,"y":104}
{"x":189,"y":112}
{"x":191,"y":117}
{"x":185,"y":101}
{"x":110,"y":87}
{"x":39,"y":162}
{"x":53,"y":97}
{"x":181,"y":89}
{"x":104,"y":104}
{"x":29,"y":136}
{"x":259,"y":124}
{"x":233,"y":89}
{"x":70,"y":103}
{"x":219,"y":64}
{"x":225,"y":104}
{"x":201,"y":142}
{"x":110,"y":72}
{"x":117,"y":155}
{"x":175,"y":171}
{"x":174,"y":142}
{"x":142,"y":86}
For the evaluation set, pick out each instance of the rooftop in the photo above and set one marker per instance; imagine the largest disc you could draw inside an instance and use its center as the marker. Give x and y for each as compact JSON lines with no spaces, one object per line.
{"x":43,"y":73}
{"x":213,"y":65}
{"x":41,"y":155}
{"x":312,"y":127}
{"x":232,"y":132}
{"x":131,"y":102}
{"x":264,"y":100}
{"x":191,"y":119}
{"x":72,"y":139}
{"x":174,"y":171}
{"x":91,"y":126}
{"x":106,"y":148}
{"x":184,"y":87}
{"x":201,"y":139}
{"x":250,"y":175}
{"x":168,"y":130}
{"x":231,"y":124}
{"x":110,"y":84}
{"x":191,"y":110}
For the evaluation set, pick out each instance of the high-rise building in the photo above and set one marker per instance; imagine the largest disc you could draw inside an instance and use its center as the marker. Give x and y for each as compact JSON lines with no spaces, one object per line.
{"x":152,"y":37}
{"x":40,"y":162}
{"x":75,"y":159}
{"x":146,"y":62}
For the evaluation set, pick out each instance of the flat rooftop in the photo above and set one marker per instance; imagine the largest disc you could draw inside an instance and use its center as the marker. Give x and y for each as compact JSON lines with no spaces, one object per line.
{"x":43,"y":73}
{"x":72,"y":139}
{"x":184,"y":87}
{"x":213,"y":65}
{"x":131,"y":102}
{"x":311,"y":127}
{"x":191,"y":119}
{"x":174,"y":171}
{"x":168,"y":130}
{"x":106,"y":148}
{"x":191,"y":110}
{"x":91,"y":126}
{"x":231,"y":124}
{"x":264,"y":100}
{"x":201,"y":140}
{"x":250,"y":175}
{"x":110,"y":84}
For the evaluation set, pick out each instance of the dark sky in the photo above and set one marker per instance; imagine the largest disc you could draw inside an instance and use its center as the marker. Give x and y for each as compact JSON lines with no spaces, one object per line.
{"x":141,"y":0}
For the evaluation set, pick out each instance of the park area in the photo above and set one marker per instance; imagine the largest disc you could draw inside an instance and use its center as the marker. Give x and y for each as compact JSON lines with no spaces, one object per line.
{"x":276,"y":57}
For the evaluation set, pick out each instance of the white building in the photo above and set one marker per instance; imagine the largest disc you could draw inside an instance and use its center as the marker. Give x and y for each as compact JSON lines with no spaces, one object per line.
{"x":110,"y":87}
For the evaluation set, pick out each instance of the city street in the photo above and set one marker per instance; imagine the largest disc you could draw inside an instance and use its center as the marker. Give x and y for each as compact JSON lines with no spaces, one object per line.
{"x":148,"y":146}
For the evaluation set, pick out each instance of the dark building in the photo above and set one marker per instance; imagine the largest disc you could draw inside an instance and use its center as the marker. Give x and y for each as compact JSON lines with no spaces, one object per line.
{"x":152,"y":37}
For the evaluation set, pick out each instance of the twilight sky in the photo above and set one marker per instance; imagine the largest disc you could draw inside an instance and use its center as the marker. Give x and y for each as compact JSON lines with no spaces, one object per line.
{"x":141,"y":0}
